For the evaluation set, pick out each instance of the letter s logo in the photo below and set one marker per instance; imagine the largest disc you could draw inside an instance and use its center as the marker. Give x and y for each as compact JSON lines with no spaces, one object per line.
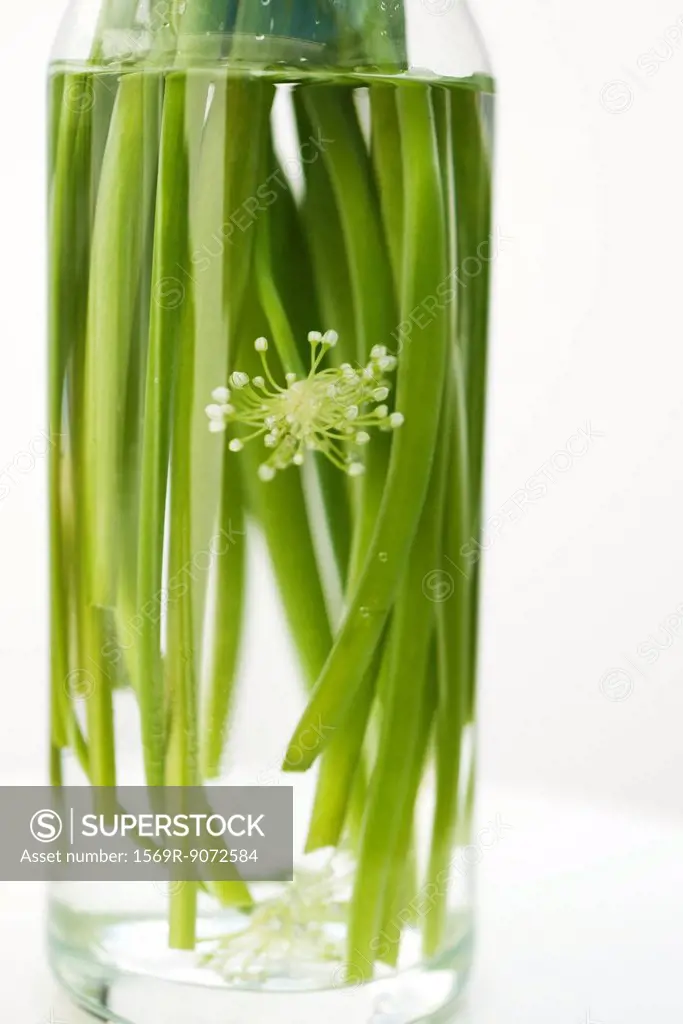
{"x":46,"y":826}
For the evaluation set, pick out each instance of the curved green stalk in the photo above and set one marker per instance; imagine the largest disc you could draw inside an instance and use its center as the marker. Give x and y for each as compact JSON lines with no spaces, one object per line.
{"x":419,"y":394}
{"x":69,"y":223}
{"x":333,"y":114}
{"x":454,"y":616}
{"x":341,"y":785}
{"x":341,"y":769}
{"x":454,"y":636}
{"x":396,"y":775}
{"x":347,"y":187}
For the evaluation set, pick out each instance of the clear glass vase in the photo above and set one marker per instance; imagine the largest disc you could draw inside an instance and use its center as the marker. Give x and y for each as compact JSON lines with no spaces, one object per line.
{"x":270,"y":251}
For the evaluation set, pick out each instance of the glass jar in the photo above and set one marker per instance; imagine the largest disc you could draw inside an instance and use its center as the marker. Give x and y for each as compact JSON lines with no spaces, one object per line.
{"x":270,"y":248}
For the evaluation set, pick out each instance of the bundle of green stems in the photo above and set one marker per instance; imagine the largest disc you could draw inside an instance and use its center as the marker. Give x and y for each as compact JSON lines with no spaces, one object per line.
{"x":177,"y":241}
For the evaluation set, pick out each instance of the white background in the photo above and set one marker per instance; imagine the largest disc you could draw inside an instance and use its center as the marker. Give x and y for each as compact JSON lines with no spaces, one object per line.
{"x":587,"y":331}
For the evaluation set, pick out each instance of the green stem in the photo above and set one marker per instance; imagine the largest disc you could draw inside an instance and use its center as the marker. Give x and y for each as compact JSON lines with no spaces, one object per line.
{"x":279,"y":507}
{"x":239,"y":108}
{"x":473,"y":205}
{"x":114,"y":275}
{"x":386,"y":143}
{"x":228,"y":618}
{"x":280,"y":246}
{"x":183,"y":916}
{"x":419,"y":395}
{"x":396,"y":775}
{"x":453,"y":628}
{"x":344,"y":183}
{"x":168,"y":317}
{"x":152,"y":488}
{"x":283,"y":518}
{"x":74,"y":186}
{"x":99,"y":706}
{"x":341,"y":769}
{"x":69,"y":223}
{"x":325,"y":236}
{"x":130,"y":608}
{"x":341,"y":786}
{"x":182,"y":767}
{"x":401,"y":887}
{"x":333,"y":115}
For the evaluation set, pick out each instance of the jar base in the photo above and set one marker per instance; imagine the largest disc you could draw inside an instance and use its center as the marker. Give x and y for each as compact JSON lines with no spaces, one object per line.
{"x":109,"y":987}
